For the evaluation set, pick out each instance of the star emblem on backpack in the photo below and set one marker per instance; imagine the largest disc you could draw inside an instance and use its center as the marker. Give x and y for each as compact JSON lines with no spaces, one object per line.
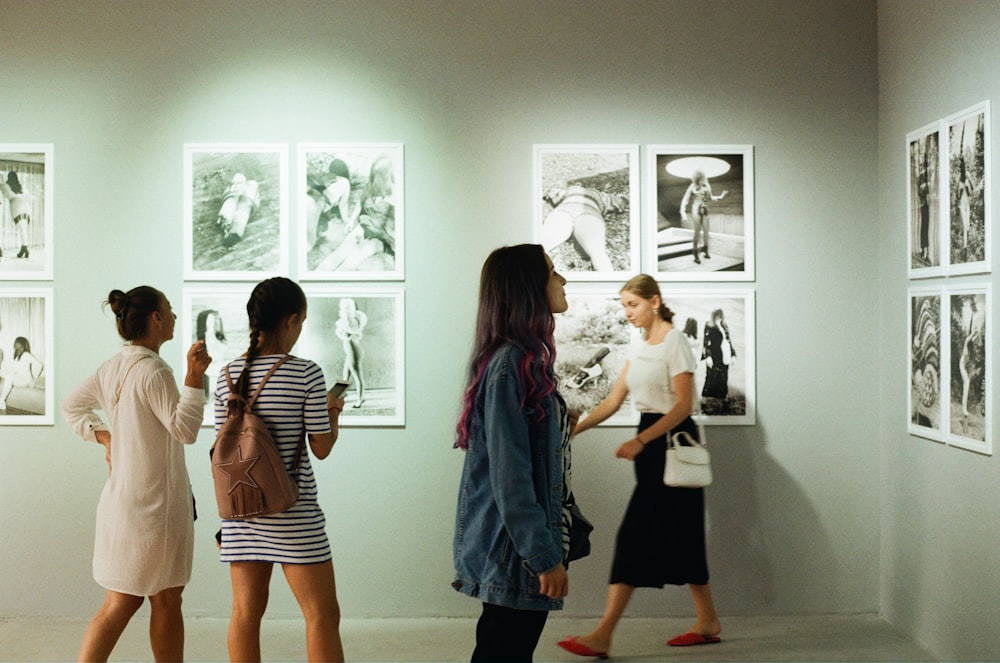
{"x":238,"y":470}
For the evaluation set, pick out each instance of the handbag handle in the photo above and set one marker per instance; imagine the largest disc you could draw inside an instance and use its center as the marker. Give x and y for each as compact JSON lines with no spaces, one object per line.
{"x":700,"y":442}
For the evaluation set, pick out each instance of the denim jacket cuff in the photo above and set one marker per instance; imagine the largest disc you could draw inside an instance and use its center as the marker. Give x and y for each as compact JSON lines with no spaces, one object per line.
{"x":545,"y":562}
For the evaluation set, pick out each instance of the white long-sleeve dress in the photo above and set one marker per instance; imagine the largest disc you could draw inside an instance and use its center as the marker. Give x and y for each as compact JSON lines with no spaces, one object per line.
{"x":144,"y":540}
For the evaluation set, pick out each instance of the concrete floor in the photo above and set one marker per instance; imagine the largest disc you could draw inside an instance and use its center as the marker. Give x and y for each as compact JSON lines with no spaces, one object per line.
{"x":813,"y":638}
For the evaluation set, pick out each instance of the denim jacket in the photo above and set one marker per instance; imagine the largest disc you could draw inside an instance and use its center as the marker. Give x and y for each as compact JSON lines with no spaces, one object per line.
{"x":508,"y":526}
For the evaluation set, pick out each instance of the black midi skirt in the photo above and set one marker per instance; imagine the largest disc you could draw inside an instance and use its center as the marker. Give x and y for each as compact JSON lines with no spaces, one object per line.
{"x":661,"y":540}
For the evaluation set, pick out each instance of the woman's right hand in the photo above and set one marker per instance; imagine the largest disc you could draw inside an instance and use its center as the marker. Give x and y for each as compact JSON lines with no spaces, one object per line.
{"x":629,"y":449}
{"x":198,"y":359}
{"x":555,"y":583}
{"x":104,"y":439}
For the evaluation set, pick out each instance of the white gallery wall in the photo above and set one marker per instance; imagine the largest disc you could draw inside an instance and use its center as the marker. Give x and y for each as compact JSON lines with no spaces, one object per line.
{"x":468,"y":87}
{"x":940,"y":529}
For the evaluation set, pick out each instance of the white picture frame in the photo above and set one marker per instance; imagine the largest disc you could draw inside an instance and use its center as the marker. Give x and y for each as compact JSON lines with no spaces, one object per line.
{"x":27,"y":245}
{"x":333,"y":334}
{"x":27,"y":388}
{"x":927,"y":240}
{"x":235,"y":212}
{"x":969,"y":200}
{"x":928,"y":360}
{"x":726,"y":392}
{"x":592,"y":340}
{"x":367,"y":245}
{"x":217,"y":314}
{"x":587,"y":209}
{"x":970,"y":400}
{"x":670,"y":222}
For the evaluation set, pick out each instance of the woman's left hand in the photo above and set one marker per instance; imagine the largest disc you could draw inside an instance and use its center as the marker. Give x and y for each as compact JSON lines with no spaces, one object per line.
{"x":334,"y":404}
{"x":629,"y":449}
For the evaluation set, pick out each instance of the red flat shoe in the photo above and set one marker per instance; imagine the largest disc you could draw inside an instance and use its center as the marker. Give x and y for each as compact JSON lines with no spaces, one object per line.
{"x":690,"y":639}
{"x":574,"y":647}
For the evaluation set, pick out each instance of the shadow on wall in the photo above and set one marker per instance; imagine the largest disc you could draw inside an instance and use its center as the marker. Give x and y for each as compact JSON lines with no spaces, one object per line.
{"x":754,"y":508}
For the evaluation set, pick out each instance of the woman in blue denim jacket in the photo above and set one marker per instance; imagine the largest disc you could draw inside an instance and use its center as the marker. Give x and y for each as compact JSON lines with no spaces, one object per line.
{"x":512,"y":522}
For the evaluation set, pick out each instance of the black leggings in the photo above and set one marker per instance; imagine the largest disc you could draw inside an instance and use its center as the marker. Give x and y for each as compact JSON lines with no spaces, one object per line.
{"x":508,"y":635}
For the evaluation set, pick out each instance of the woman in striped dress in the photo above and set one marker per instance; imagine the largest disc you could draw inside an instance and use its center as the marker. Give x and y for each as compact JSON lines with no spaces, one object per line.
{"x":293,"y":403}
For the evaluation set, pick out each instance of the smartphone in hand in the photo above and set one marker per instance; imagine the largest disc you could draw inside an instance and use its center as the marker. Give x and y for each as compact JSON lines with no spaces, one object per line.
{"x":338,"y":388}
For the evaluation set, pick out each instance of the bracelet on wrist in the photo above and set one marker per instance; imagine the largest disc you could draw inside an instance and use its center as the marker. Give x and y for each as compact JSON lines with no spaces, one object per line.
{"x":639,"y":440}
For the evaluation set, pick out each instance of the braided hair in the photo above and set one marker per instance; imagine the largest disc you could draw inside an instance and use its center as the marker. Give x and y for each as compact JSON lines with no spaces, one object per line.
{"x":133,"y":308}
{"x":271,"y":303}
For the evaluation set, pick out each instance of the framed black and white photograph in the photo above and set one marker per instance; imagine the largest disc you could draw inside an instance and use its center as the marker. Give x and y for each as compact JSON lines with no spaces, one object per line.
{"x":969,"y":190}
{"x":928,"y":355}
{"x":350,"y":211}
{"x":925,"y":229}
{"x":586,"y":202}
{"x":26,"y":357}
{"x":216,"y":314}
{"x":26,"y":226}
{"x":592,"y":339}
{"x":235,"y":211}
{"x":720,"y":326}
{"x":970,"y":406}
{"x":355,"y":333}
{"x":700,"y":218}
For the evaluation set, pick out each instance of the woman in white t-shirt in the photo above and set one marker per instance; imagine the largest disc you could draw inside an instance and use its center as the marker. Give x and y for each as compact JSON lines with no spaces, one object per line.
{"x":662,"y":537}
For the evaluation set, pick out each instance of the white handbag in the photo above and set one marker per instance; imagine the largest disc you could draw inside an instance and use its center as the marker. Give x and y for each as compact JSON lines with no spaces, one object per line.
{"x":688,"y":464}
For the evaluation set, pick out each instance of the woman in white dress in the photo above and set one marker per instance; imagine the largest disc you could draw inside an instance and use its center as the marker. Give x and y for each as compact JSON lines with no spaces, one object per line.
{"x":144,"y":542}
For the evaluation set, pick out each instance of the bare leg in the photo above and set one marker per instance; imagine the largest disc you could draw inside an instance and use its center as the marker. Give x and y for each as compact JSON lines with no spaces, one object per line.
{"x":107,"y":625}
{"x":238,"y":225}
{"x":315,"y":589}
{"x":22,"y":227}
{"x":556,"y":229}
{"x":251,"y":582}
{"x":352,"y":368}
{"x":600,"y":638}
{"x":698,"y":225}
{"x":706,"y":619}
{"x":591,"y":232}
{"x":166,"y":626}
{"x":8,"y":386}
{"x":963,"y":367}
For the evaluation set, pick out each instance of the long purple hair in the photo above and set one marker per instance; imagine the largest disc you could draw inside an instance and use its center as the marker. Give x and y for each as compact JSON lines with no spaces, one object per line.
{"x":513,"y":309}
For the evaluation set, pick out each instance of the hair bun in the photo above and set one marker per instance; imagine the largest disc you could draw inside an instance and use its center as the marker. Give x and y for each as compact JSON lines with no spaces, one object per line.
{"x":118,"y":301}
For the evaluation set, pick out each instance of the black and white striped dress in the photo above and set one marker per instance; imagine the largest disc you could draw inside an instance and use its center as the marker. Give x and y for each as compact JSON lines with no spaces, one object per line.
{"x":293,"y":404}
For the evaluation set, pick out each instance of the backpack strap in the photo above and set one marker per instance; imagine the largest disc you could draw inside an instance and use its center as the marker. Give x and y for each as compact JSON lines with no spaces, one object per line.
{"x":253,"y":399}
